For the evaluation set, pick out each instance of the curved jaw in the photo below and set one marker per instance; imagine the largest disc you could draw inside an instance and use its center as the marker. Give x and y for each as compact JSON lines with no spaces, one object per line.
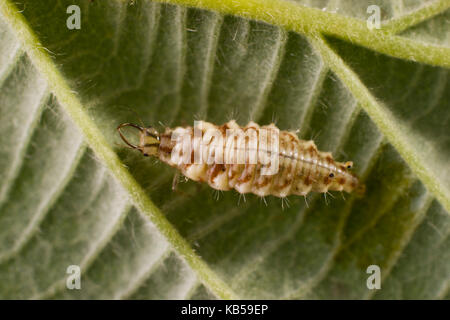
{"x":149,"y":139}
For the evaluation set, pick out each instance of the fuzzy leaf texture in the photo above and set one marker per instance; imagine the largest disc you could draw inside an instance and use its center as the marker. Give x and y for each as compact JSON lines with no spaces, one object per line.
{"x":71,"y":194}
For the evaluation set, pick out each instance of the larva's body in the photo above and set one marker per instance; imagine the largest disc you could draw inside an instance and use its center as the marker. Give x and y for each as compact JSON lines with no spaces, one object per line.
{"x":301,"y":167}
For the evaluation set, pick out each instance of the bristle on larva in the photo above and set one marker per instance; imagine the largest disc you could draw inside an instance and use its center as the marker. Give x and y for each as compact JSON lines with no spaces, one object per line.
{"x":216,"y":155}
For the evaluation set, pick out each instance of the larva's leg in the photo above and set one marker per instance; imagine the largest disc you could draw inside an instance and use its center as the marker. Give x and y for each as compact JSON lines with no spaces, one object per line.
{"x":285,"y":202}
{"x":263,"y":199}
{"x":241,"y":195}
{"x":175,"y":181}
{"x":216,"y":194}
{"x":282,"y":204}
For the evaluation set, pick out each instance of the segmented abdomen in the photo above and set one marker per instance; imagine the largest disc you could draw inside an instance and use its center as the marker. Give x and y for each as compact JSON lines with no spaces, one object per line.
{"x":301,"y":167}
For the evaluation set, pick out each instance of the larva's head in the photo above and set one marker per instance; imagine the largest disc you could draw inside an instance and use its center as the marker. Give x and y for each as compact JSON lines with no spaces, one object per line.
{"x":149,"y":139}
{"x":344,"y":179}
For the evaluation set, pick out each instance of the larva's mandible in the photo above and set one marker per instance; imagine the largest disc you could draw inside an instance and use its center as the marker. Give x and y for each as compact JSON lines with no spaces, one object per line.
{"x":301,"y":167}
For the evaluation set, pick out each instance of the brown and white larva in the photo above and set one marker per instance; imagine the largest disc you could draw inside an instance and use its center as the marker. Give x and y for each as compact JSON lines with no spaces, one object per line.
{"x":301,"y":168}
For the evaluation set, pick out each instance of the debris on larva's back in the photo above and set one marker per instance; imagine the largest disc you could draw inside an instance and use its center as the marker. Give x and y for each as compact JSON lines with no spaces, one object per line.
{"x":252,"y":159}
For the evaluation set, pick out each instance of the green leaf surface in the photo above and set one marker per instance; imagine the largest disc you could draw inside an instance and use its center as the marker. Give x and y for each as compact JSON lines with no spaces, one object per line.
{"x":71,"y":194}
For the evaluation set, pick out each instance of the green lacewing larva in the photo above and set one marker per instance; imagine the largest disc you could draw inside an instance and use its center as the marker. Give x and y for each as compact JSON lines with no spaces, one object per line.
{"x":301,"y":167}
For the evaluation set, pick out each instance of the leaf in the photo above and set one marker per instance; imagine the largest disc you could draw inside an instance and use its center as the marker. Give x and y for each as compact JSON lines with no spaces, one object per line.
{"x":71,"y":195}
